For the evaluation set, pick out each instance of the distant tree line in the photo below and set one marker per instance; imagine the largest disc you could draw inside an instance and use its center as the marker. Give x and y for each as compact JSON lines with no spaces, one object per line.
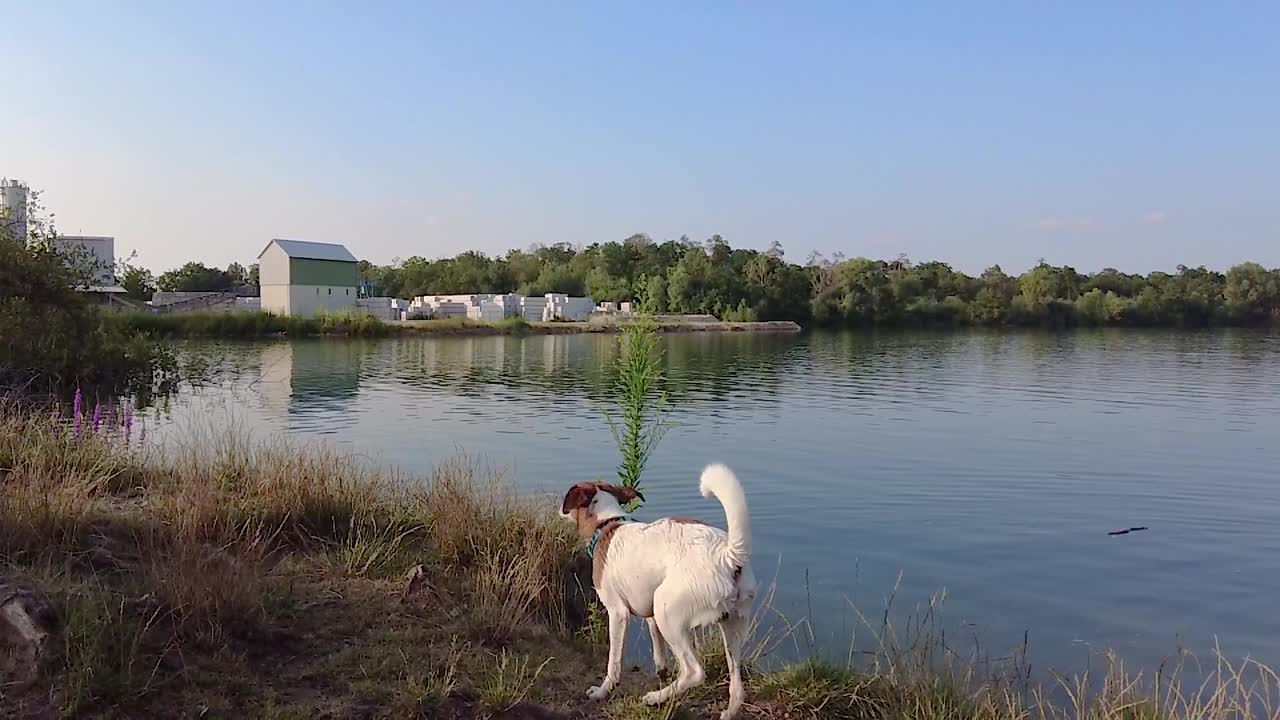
{"x":140,"y":284}
{"x":680,"y":276}
{"x":711,"y":277}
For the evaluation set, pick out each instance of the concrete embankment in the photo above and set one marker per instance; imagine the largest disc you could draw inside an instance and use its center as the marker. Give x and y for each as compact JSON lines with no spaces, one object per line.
{"x":449,"y":327}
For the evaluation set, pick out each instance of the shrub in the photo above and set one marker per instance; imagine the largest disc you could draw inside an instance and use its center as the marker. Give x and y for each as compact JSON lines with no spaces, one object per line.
{"x":52,"y":340}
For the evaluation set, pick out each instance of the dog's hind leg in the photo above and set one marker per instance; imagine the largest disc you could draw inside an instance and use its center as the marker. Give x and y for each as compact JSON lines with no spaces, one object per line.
{"x":617,"y":637}
{"x":678,"y":631}
{"x":733,"y":629}
{"x":659,"y":647}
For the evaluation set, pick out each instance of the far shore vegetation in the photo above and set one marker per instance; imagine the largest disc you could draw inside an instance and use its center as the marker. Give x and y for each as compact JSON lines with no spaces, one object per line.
{"x":713,"y":278}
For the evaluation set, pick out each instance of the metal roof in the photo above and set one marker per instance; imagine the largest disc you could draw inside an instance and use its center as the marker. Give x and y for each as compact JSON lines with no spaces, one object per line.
{"x":312,"y":250}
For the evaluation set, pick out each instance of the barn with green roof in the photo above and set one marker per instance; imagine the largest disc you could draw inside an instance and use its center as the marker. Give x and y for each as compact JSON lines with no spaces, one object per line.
{"x":303,"y":278}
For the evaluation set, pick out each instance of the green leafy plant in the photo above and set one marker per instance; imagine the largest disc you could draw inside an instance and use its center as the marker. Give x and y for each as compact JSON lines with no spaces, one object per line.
{"x":641,"y":403}
{"x":595,"y":627}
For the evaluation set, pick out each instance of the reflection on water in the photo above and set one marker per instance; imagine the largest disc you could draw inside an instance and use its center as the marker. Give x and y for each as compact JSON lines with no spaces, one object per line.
{"x":991,"y":465}
{"x":308,"y":378}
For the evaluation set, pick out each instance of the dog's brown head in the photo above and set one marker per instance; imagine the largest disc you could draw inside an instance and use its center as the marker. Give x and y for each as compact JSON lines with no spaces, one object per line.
{"x":587,"y":500}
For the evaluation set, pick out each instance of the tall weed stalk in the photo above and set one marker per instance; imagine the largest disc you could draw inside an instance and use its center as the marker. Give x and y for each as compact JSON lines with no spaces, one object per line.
{"x":641,"y":404}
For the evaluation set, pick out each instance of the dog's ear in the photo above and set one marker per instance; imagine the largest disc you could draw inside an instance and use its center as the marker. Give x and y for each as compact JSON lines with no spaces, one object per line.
{"x":579,"y":496}
{"x":624,"y":494}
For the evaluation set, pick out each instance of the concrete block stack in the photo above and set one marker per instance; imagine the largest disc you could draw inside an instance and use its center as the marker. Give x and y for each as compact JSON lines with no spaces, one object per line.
{"x":563,"y":307}
{"x":532,"y":309}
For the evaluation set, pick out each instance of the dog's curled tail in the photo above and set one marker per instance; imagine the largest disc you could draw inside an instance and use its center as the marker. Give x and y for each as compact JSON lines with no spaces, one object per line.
{"x":720,"y":481}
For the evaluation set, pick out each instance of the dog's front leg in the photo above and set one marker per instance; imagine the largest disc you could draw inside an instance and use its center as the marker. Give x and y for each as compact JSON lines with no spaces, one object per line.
{"x":617,"y":636}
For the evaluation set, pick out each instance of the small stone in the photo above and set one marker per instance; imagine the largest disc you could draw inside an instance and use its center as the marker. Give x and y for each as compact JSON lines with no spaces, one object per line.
{"x":27,"y":622}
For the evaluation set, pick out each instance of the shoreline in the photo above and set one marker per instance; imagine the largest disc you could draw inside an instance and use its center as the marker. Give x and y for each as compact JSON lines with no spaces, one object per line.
{"x":234,"y":577}
{"x":452,"y":327}
{"x":255,"y":325}
{"x":249,"y":325}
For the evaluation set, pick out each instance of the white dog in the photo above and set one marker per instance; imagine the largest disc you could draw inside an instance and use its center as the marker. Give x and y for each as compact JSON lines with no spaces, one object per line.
{"x":678,"y":574}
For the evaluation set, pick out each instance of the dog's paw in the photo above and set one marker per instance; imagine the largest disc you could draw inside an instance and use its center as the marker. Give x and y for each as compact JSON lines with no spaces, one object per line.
{"x":598,"y":693}
{"x":728,"y":715}
{"x":653,"y":698}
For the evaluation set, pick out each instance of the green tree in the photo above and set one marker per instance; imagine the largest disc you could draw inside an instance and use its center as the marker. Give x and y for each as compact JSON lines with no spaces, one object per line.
{"x":1091,"y":307}
{"x":195,"y":277}
{"x":993,"y":303}
{"x":237,"y":274}
{"x":53,"y":337}
{"x":601,"y":286}
{"x":138,"y":282}
{"x":866,"y":297}
{"x":652,"y":294}
{"x":1251,"y":292}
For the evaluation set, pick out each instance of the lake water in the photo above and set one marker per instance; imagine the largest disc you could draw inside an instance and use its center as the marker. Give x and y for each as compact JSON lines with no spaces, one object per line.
{"x":988,"y":465}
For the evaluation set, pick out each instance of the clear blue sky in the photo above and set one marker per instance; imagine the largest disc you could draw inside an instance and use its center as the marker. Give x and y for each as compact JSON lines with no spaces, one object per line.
{"x":1137,"y":135}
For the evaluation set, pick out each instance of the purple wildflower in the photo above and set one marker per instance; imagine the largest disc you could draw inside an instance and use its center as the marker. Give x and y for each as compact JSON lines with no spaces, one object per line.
{"x":97,"y":416}
{"x":127,"y":421}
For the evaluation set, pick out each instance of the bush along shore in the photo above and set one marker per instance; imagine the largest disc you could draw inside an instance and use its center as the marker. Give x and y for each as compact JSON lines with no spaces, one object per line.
{"x":358,"y":324}
{"x":221,"y":577}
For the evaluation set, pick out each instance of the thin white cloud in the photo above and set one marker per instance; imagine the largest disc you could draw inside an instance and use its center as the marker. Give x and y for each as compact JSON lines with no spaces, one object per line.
{"x":1155,"y":217}
{"x":1053,"y":223}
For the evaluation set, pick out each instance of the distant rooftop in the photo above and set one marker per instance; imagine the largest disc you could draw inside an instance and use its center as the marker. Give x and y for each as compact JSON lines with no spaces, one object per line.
{"x":312,"y":250}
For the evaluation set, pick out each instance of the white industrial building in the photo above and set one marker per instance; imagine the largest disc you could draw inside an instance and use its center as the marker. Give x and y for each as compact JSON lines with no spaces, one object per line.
{"x":303,"y":278}
{"x":13,"y":209}
{"x":95,"y":255}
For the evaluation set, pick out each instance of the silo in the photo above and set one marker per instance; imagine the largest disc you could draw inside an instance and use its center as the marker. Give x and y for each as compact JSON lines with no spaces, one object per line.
{"x":13,"y":208}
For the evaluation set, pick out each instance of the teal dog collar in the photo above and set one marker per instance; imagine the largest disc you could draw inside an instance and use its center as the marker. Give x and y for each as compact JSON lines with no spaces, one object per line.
{"x":595,"y":536}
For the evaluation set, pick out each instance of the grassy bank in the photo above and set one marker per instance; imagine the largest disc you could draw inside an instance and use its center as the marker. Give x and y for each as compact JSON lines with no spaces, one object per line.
{"x":227,"y":578}
{"x":352,"y":324}
{"x":243,"y":325}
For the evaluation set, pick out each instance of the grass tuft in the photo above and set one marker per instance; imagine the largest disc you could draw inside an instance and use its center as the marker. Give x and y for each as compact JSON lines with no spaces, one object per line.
{"x":510,"y":681}
{"x":423,"y":693}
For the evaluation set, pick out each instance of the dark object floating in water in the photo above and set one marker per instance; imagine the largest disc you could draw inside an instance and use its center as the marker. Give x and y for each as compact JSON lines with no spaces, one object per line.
{"x":1126,"y":531}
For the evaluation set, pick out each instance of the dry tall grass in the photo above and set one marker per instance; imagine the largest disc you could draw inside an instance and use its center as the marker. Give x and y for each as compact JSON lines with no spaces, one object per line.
{"x":911,"y":672}
{"x":151,"y":555}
